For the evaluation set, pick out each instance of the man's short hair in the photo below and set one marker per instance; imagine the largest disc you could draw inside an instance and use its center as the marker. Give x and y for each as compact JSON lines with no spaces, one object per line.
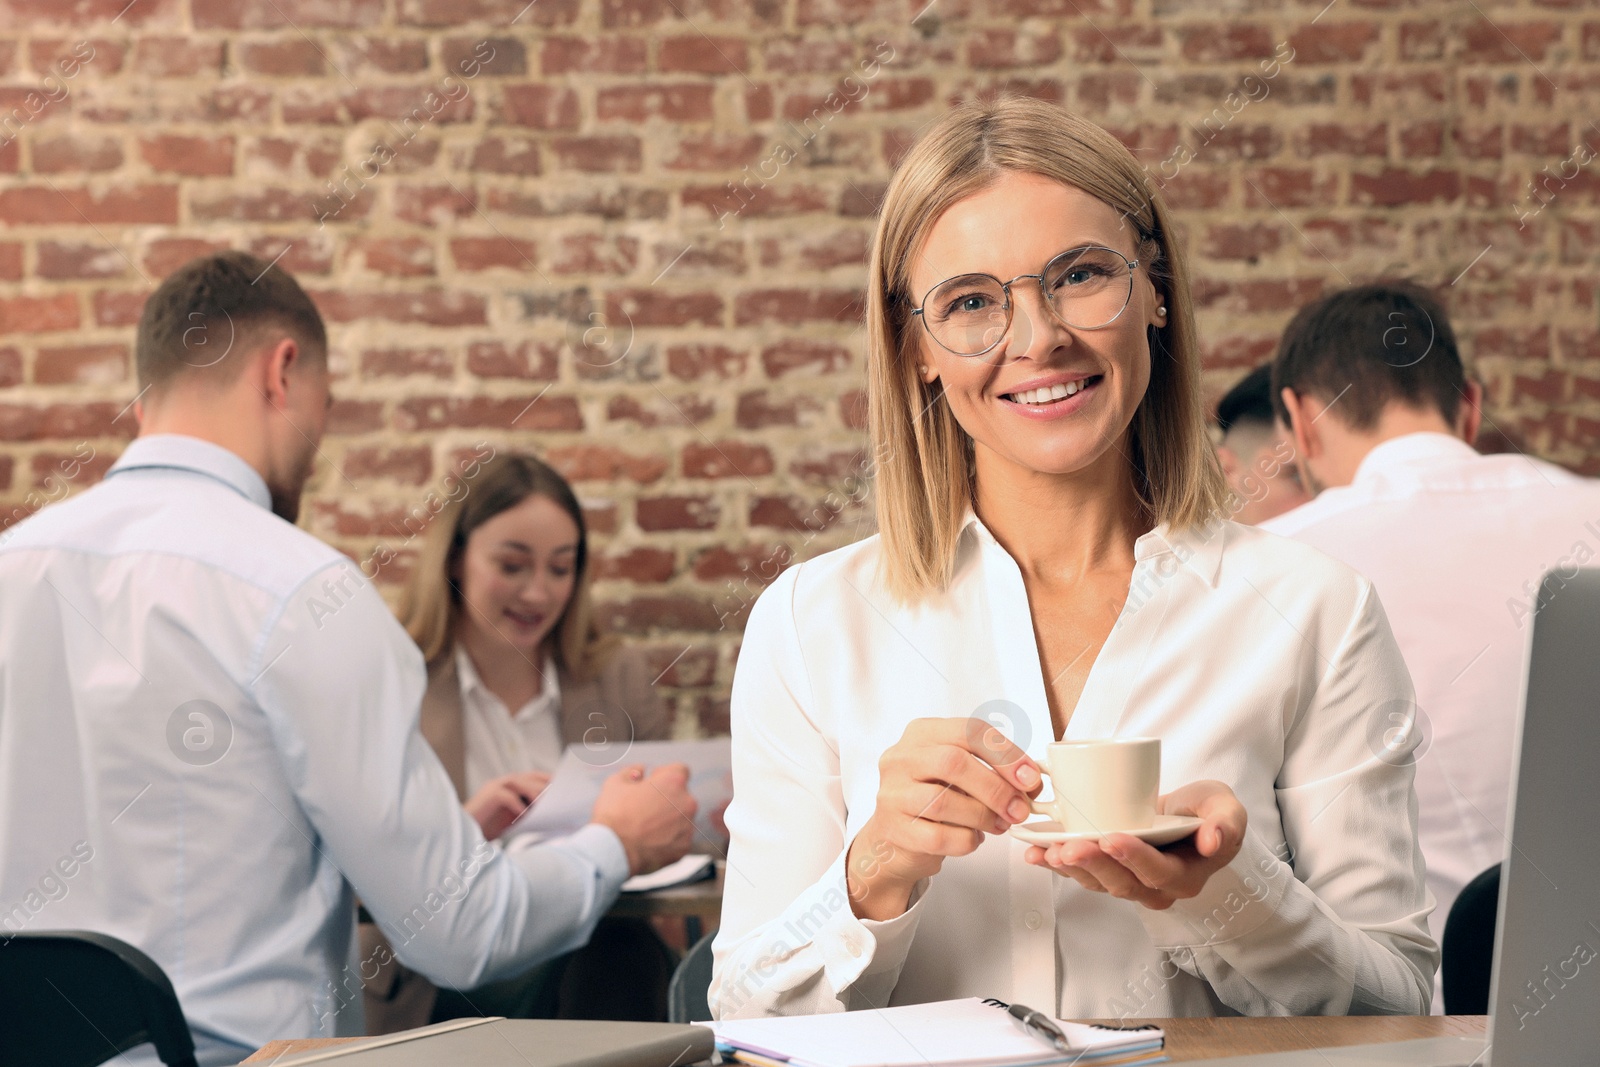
{"x":1367,"y":347}
{"x":211,"y":312}
{"x":1249,"y":402}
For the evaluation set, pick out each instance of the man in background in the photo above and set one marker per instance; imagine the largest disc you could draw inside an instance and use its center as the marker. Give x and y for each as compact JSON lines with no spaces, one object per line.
{"x":1256,"y":458}
{"x":1382,"y":415}
{"x":222,"y":760}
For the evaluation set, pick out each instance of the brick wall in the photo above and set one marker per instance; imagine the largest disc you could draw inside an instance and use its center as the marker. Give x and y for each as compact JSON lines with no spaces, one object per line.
{"x":630,"y":234}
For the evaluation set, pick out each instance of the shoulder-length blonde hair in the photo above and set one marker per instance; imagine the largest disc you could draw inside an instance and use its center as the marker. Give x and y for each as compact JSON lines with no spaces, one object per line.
{"x":430,"y":605}
{"x":924,"y":459}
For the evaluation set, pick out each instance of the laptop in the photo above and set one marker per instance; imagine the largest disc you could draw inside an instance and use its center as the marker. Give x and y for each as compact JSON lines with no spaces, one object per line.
{"x":1545,"y":992}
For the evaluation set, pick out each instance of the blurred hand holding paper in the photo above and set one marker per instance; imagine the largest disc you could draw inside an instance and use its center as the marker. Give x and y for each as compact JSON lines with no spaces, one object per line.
{"x":567,"y":802}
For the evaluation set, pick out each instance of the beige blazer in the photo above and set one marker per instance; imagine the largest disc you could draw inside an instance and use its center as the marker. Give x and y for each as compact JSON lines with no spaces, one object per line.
{"x":617,"y":706}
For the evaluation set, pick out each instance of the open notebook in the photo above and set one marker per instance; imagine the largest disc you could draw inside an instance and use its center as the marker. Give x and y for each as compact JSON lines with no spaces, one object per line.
{"x":947,"y":1033}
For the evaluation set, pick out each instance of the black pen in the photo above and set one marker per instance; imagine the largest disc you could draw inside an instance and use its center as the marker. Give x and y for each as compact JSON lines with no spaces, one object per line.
{"x":1040,"y":1026}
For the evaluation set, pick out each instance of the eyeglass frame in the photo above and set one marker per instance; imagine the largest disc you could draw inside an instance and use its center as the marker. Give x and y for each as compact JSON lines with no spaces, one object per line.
{"x":1005,"y":287}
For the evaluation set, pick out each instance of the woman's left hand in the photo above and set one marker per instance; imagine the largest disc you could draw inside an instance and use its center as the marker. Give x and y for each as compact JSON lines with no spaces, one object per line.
{"x":1126,"y":867}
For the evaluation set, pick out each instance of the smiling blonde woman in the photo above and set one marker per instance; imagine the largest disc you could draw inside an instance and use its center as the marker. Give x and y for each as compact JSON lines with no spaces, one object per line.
{"x":1053,"y":561}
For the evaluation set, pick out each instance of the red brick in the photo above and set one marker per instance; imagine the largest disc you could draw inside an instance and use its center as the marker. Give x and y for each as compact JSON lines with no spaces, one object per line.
{"x":407,"y":465}
{"x":699,"y":54}
{"x":192,"y":156}
{"x":1226,"y":42}
{"x":717,"y":151}
{"x":543,"y":107}
{"x":505,"y":155}
{"x":726,"y":459}
{"x":806,"y":55}
{"x":6,"y":468}
{"x":38,"y":314}
{"x":799,"y":355}
{"x":359,"y":54}
{"x":658,"y":513}
{"x":693,"y":362}
{"x":1000,"y":49}
{"x":529,"y":359}
{"x":81,"y":467}
{"x":287,"y":57}
{"x":791,"y":513}
{"x":639,"y":103}
{"x":270,"y":205}
{"x":435,"y":206}
{"x":1343,"y":139}
{"x":642,"y":564}
{"x":758,"y":410}
{"x":602,"y":463}
{"x":11,"y":261}
{"x":595,"y":253}
{"x":795,"y":306}
{"x":452,"y":13}
{"x":67,"y":153}
{"x":503,"y":413}
{"x":490,"y":253}
{"x":433,"y":307}
{"x":1333,"y":42}
{"x":1393,"y":187}
{"x":675,"y":666}
{"x":401,"y":362}
{"x":1483,"y":41}
{"x":90,"y":364}
{"x":22,"y":422}
{"x":285,"y":14}
{"x":759,"y":563}
{"x":483,"y":57}
{"x":601,"y":155}
{"x":67,"y":57}
{"x":648,"y":614}
{"x":176,"y":57}
{"x":654,"y":307}
{"x":114,"y":308}
{"x":398,"y":257}
{"x":611,"y":54}
{"x":354,"y":416}
{"x":64,"y":260}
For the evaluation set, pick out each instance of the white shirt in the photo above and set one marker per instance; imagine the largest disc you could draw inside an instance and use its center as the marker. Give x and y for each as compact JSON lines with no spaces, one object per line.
{"x":498,"y":743}
{"x":1455,"y":543}
{"x":211,"y":717}
{"x":1257,"y":661}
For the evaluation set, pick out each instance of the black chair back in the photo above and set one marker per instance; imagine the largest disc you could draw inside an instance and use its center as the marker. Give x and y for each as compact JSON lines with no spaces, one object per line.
{"x":70,"y":998}
{"x":686,"y":995}
{"x":1469,"y":945}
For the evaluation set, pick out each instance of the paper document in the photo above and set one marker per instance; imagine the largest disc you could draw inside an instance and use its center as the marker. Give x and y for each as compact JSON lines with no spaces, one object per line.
{"x":949,"y":1033}
{"x":568,"y":801}
{"x":692,"y":868}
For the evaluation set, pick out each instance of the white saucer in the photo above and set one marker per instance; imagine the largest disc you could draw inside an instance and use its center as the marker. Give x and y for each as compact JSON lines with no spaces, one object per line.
{"x":1167,"y":829}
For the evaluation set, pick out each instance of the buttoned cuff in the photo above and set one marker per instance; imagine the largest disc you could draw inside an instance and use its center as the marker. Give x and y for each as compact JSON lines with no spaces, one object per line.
{"x":1236,"y":901}
{"x":851,"y":947}
{"x":602,"y":847}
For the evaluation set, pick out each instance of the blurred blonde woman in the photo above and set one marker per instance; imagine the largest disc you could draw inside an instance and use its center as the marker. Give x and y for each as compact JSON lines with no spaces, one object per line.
{"x":517,"y":670}
{"x":1053,"y":559}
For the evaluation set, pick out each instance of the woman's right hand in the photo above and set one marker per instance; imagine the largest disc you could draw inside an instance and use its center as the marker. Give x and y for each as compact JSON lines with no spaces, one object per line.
{"x":497,"y":805}
{"x":941,"y":787}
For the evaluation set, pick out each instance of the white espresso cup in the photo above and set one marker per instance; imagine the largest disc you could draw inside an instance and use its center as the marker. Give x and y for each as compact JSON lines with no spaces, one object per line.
{"x":1103,"y":785}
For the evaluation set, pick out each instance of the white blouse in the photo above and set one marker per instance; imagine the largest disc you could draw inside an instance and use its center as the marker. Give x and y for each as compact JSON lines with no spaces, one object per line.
{"x":499,"y":743}
{"x":1257,"y":660}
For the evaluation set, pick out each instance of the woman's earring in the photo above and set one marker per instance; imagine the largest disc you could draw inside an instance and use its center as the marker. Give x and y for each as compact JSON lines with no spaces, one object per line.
{"x":1162,"y":310}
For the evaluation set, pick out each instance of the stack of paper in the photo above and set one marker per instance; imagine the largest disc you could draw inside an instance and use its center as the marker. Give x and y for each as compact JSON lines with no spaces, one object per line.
{"x":949,"y":1033}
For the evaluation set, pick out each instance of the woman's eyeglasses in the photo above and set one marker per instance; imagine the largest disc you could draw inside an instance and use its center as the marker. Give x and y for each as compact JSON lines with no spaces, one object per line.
{"x":1086,"y":288}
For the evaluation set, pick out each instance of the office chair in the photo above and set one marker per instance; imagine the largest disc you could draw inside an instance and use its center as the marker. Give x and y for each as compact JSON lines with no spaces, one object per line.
{"x":686,"y":995}
{"x":71,"y":998}
{"x":1469,"y":945}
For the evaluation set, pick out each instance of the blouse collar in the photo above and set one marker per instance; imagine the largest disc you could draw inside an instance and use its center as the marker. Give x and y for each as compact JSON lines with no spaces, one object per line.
{"x":1198,"y":547}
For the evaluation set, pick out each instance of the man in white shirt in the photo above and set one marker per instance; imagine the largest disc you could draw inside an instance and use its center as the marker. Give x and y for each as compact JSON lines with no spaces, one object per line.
{"x":221,"y":762}
{"x":1256,"y":458}
{"x":1371,"y":386}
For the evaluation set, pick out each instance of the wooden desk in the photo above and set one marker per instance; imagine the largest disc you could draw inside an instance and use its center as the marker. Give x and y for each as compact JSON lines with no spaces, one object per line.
{"x":1199,"y":1039}
{"x":694,"y":903}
